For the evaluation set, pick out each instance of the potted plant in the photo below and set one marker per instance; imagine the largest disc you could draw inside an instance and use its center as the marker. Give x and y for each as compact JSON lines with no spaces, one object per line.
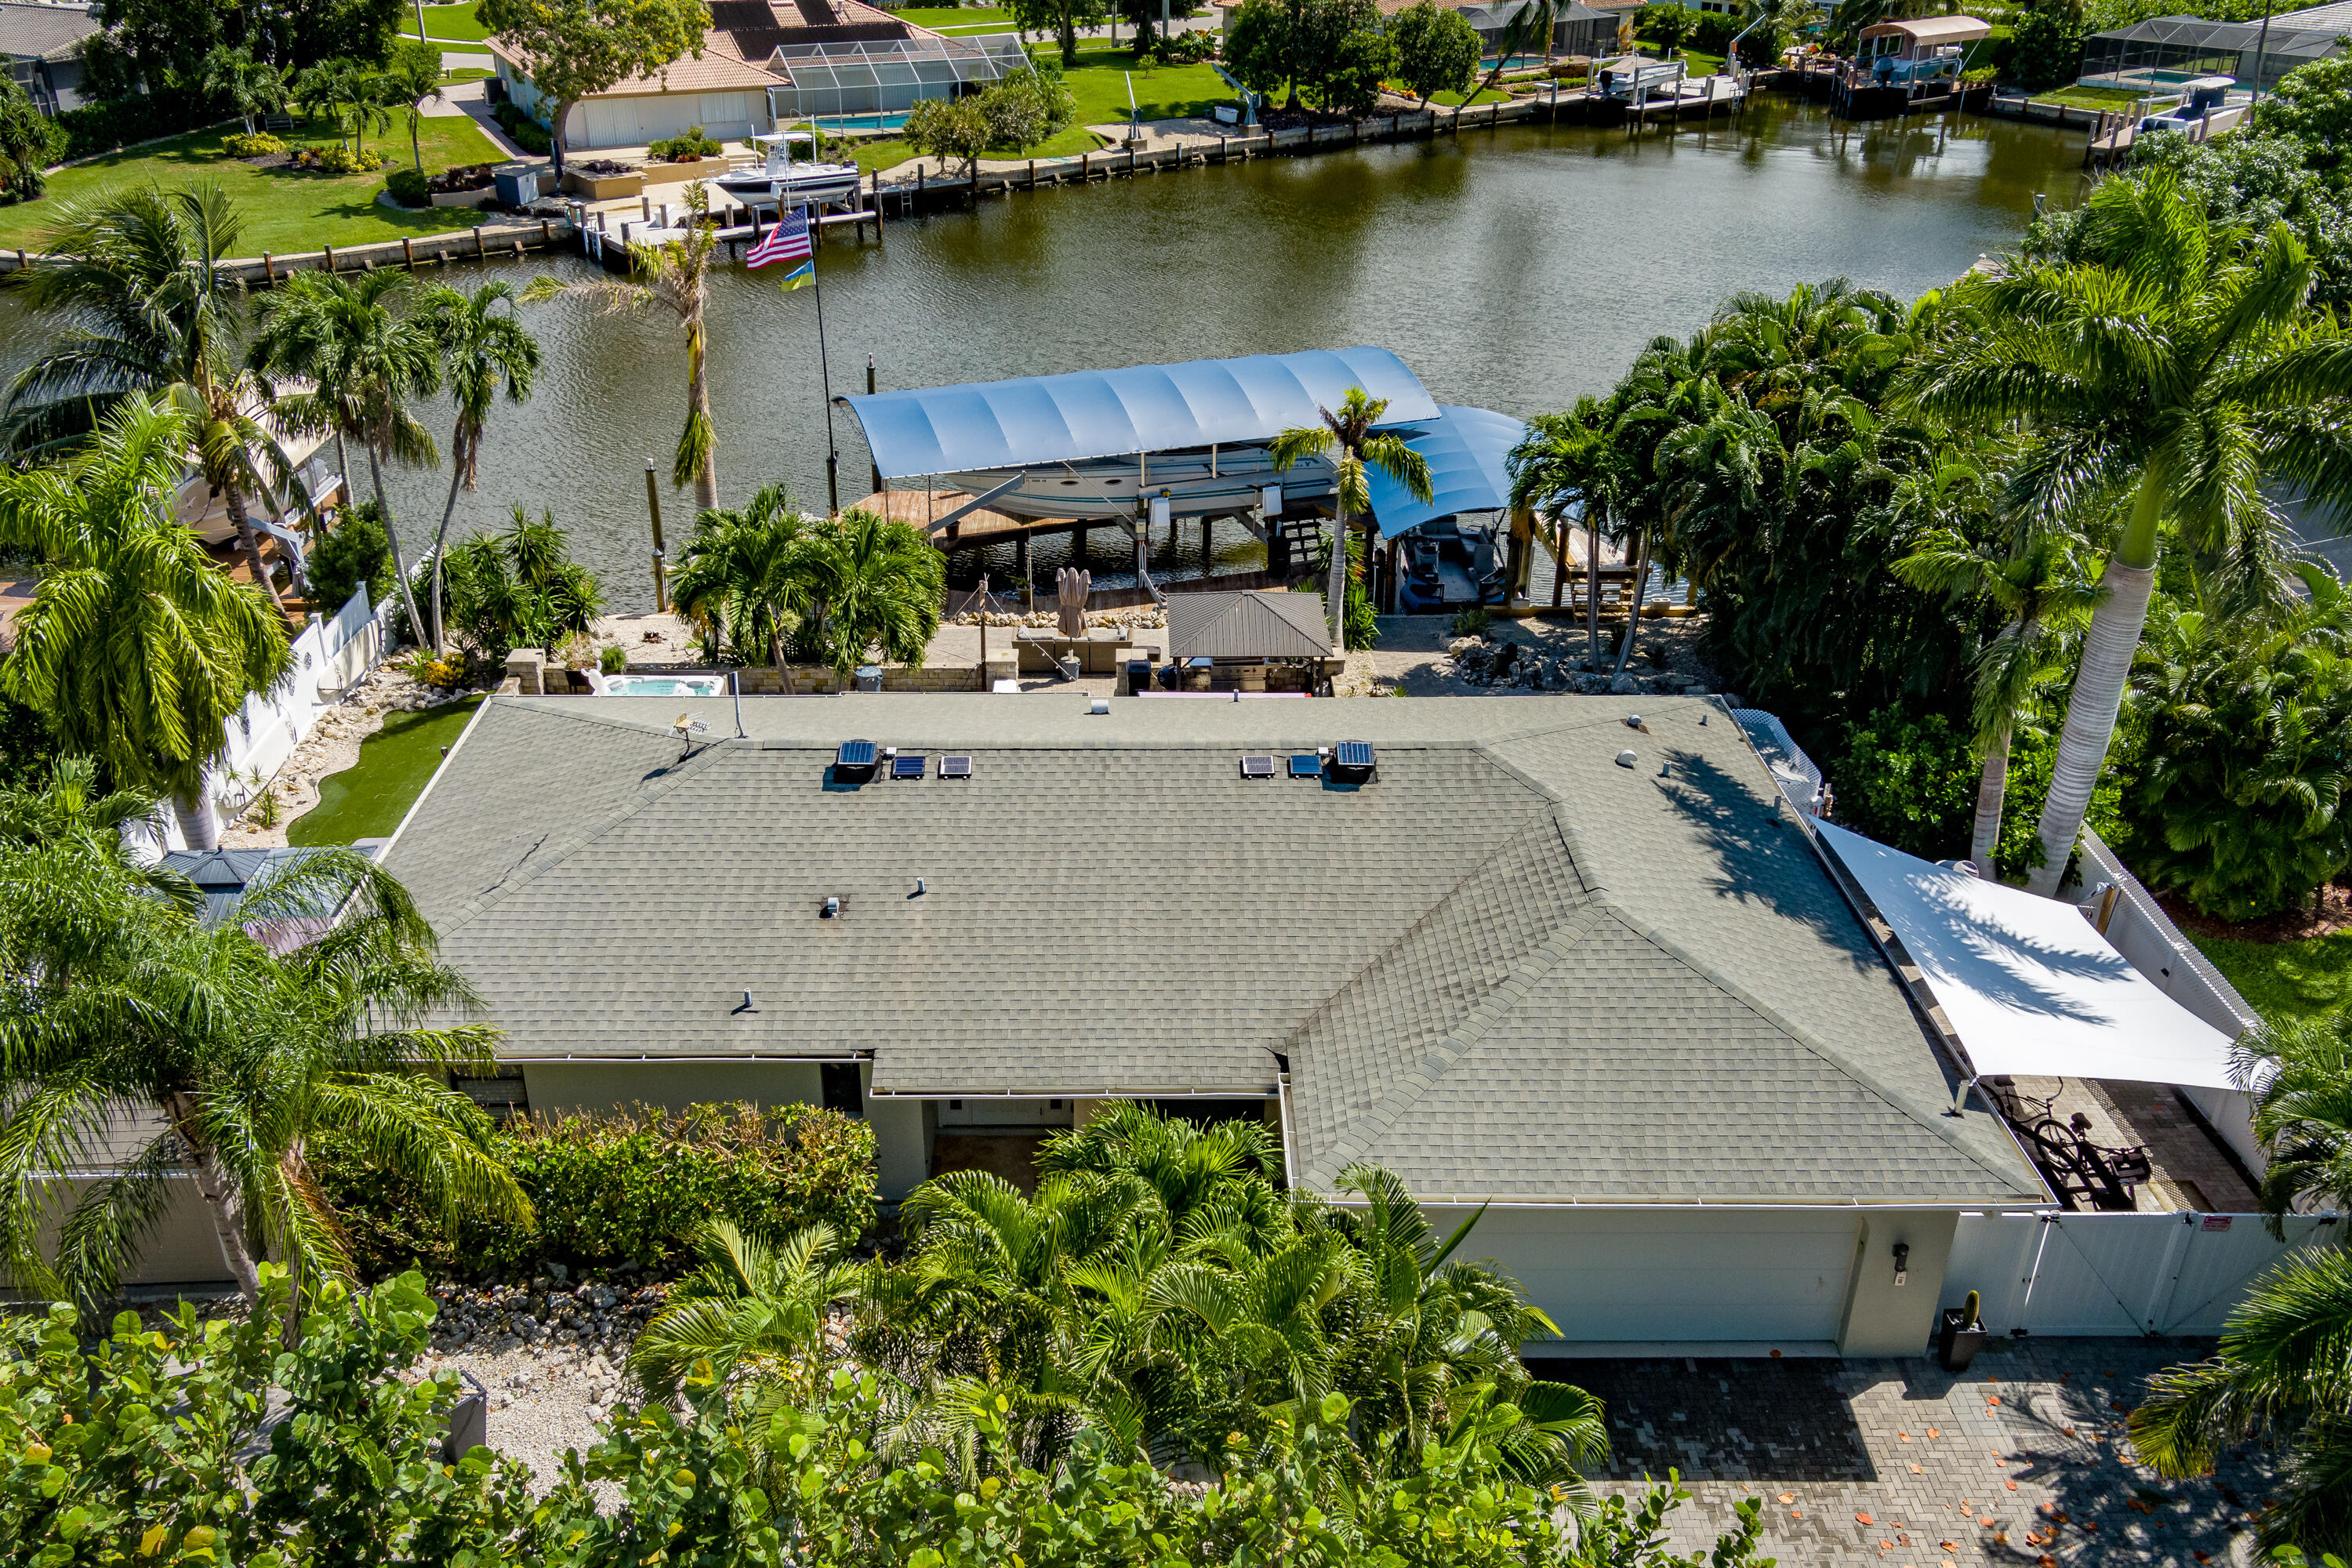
{"x":1959,"y":1335}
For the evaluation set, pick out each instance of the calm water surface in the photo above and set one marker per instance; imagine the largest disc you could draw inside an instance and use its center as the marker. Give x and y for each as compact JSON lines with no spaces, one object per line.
{"x":1512,"y":270}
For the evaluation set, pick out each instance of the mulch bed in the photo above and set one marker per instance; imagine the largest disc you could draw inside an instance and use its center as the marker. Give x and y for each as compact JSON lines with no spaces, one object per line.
{"x":269,"y":161}
{"x":2332,"y":913}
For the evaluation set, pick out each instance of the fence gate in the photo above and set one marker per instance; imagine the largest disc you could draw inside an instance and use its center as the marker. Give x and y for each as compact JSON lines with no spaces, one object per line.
{"x":2063,"y":1274}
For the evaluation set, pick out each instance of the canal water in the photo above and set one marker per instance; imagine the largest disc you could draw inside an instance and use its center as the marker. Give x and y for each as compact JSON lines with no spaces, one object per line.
{"x":1513,"y":268}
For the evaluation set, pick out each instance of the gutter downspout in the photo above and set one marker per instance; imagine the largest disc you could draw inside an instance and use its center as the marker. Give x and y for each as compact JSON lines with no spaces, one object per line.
{"x":1282,"y":1099}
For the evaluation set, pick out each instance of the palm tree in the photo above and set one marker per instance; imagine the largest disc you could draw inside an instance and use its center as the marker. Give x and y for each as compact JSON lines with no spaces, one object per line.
{"x":363,"y":363}
{"x":750,"y":1309}
{"x":303,"y":1012}
{"x":877,"y":583}
{"x":253,"y":88}
{"x":483,"y":351}
{"x":2300,"y":1073}
{"x":1535,"y":19}
{"x":675,"y":275}
{"x":68,"y":807}
{"x":2166,"y":376}
{"x":2042,"y":594}
{"x":522,"y":587}
{"x":155,"y":310}
{"x":745,"y":580}
{"x":1349,"y":431}
{"x":2284,"y":1364}
{"x":136,"y":649}
{"x":413,"y":81}
{"x":1569,"y":465}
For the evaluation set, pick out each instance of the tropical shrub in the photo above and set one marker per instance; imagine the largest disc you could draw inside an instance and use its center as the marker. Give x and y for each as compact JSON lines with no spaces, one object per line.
{"x":949,"y":129}
{"x":683,"y":148}
{"x":729,"y":1479}
{"x":1027,"y":107}
{"x":1666,"y":26}
{"x":1186,"y":48}
{"x":522,"y":130}
{"x":256,"y":144}
{"x":339,"y":159}
{"x":1908,"y":782}
{"x":2236,"y":802}
{"x":409,"y":188}
{"x":518,"y":589}
{"x":349,"y":556}
{"x":30,"y":142}
{"x":1352,"y":86}
{"x":632,"y":1188}
{"x":612,"y":659}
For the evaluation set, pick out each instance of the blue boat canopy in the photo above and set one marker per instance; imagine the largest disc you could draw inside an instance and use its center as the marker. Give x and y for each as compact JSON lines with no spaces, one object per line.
{"x":1038,"y":419}
{"x":1465,"y":448}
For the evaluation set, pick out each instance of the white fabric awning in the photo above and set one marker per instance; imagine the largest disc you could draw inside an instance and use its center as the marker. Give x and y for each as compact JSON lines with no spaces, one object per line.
{"x":2027,"y":983}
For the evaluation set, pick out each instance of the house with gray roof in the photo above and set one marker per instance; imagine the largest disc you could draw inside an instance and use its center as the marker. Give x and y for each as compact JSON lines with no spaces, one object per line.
{"x":1552,"y":955}
{"x":43,"y":46}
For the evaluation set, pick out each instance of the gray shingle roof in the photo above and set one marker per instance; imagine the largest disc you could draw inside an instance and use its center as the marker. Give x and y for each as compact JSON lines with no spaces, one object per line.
{"x":1248,"y":624}
{"x":44,"y":32}
{"x":1506,"y":966}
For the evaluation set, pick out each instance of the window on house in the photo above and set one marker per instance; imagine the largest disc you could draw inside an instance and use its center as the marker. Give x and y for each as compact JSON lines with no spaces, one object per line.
{"x":843,"y":1089}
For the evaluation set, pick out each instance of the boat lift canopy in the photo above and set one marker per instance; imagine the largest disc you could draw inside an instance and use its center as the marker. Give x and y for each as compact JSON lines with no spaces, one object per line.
{"x":1465,"y":449}
{"x":1035,"y":420}
{"x":2030,"y":988}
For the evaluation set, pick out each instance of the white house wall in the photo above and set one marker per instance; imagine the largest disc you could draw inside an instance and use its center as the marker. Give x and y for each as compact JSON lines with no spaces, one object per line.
{"x":1801,"y":1280}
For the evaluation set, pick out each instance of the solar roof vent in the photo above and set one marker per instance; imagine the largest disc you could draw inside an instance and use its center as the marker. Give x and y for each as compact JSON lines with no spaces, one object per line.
{"x":955,"y":767}
{"x":910,"y":765}
{"x":1305,"y":765}
{"x":1257,"y":767}
{"x":856,"y":760}
{"x":1352,"y":760}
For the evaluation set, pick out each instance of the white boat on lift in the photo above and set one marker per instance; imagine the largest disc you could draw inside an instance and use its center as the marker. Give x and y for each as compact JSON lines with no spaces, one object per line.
{"x":779,"y":179}
{"x":1202,"y":482}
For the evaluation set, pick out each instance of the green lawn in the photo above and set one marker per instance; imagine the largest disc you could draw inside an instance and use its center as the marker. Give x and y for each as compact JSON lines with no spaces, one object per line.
{"x":2282,"y":980}
{"x":954,"y":15}
{"x":2095,"y":97}
{"x":368,"y":799}
{"x":1162,"y":92}
{"x":465,"y":73}
{"x":1453,"y":99}
{"x":450,"y":24}
{"x":284,"y":211}
{"x":890,"y":153}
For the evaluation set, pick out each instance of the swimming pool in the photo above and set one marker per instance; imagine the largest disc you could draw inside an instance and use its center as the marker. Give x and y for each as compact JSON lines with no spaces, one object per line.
{"x":862,"y":121}
{"x":663,"y":686}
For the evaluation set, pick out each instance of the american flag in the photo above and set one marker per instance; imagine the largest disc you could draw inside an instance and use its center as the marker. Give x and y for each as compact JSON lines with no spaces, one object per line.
{"x":788,"y":241}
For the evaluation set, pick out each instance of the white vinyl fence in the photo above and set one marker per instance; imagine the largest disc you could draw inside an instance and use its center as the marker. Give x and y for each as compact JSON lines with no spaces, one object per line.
{"x":2117,"y":1274}
{"x":330,"y":657}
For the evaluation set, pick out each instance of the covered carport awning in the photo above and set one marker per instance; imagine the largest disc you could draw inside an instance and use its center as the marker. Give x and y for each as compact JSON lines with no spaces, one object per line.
{"x":1035,"y":420}
{"x":1467,"y":451}
{"x":2028,"y":985}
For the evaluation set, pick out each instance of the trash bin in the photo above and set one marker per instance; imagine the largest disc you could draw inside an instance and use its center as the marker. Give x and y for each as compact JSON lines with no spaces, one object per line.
{"x":1139,"y":676}
{"x":518,"y":184}
{"x":869,"y":677}
{"x":469,"y":1421}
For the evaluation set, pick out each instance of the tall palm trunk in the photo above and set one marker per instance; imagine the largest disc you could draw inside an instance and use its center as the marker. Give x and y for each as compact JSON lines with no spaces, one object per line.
{"x":2099,"y":681}
{"x":1992,"y":790}
{"x":399,"y":564}
{"x":441,"y":535}
{"x":1334,"y":588}
{"x":701,"y":440}
{"x":197,"y":823}
{"x":248,"y":539}
{"x":1634,"y":618}
{"x":1592,"y":519}
{"x":213,"y":1186}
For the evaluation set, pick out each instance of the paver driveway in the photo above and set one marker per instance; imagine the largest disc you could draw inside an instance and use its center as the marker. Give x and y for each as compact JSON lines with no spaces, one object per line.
{"x":2021,"y":1460}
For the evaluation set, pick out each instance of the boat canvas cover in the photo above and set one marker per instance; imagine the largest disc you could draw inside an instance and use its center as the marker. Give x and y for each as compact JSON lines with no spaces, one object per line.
{"x":1034,"y":420}
{"x":1932,"y":29}
{"x":1465,"y":449}
{"x":2029,"y":985}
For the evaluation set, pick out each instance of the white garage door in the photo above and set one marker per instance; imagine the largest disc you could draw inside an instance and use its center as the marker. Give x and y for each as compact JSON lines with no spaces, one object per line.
{"x":612,"y":123}
{"x":1673,"y":1276}
{"x":726,"y":115}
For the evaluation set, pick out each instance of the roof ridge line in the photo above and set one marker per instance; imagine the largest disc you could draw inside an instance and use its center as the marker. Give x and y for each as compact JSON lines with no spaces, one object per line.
{"x":1491,"y":1009}
{"x":1673,"y":947}
{"x":577,"y":708}
{"x":587,"y":833}
{"x":1421,"y":921}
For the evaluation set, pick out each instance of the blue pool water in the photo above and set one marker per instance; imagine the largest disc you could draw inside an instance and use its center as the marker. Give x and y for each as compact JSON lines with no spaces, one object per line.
{"x":861,"y":121}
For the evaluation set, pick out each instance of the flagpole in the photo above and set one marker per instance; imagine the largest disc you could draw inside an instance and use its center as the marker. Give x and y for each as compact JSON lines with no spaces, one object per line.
{"x":824,"y":370}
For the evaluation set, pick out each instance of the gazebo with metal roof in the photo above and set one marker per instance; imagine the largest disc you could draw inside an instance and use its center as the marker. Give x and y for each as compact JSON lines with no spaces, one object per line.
{"x":2161,"y":54}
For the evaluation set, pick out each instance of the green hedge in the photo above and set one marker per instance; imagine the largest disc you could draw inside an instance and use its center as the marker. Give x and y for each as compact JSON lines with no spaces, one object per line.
{"x":630,"y":1187}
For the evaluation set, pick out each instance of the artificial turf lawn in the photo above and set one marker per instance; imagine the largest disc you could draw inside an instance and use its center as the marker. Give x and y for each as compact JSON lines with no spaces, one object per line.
{"x":2286,"y":980}
{"x":448,"y":24}
{"x":285,"y":211}
{"x":368,"y":799}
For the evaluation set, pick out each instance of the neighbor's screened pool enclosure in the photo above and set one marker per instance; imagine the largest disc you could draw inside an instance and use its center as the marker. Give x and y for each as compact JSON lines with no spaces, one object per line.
{"x":2159,"y":54}
{"x":880,"y":76}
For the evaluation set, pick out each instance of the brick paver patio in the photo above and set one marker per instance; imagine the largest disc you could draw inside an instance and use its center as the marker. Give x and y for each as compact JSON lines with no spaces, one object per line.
{"x":2021,"y":1460}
